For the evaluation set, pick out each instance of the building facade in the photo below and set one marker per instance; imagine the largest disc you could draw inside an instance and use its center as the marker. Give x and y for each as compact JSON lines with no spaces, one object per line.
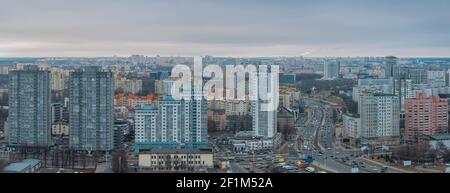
{"x":29,"y":120}
{"x":379,"y":114}
{"x":391,"y":68}
{"x":331,"y":70}
{"x":172,"y":124}
{"x":176,"y":160}
{"x":352,"y":126}
{"x":426,"y":115}
{"x":91,"y":109}
{"x":264,"y":119}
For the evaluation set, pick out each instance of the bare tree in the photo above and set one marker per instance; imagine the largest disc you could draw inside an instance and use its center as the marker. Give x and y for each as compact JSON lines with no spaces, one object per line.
{"x":119,"y":162}
{"x":417,"y":152}
{"x":446,"y":156}
{"x":2,"y":164}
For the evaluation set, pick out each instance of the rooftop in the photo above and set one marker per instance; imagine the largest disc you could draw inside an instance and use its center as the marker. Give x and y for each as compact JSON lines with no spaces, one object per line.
{"x":20,"y":166}
{"x":443,"y":136}
{"x":176,"y":151}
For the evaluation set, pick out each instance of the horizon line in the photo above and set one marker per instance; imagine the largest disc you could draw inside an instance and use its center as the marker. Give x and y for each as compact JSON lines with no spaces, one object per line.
{"x":217,"y":56}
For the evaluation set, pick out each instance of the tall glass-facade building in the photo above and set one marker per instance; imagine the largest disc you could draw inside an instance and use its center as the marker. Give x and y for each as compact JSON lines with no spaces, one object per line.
{"x":29,"y":120}
{"x":91,"y":109}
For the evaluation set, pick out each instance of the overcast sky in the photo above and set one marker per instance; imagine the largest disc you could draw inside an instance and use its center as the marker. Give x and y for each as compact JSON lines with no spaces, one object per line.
{"x":225,"y":28}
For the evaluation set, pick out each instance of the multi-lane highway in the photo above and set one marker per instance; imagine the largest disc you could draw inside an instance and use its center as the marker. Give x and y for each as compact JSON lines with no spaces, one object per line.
{"x":315,"y":137}
{"x":320,"y":137}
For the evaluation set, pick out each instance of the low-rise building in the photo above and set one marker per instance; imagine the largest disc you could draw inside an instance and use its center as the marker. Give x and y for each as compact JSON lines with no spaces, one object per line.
{"x":244,"y":141}
{"x":251,"y":145}
{"x":439,"y":141}
{"x":25,"y":166}
{"x":166,"y":160}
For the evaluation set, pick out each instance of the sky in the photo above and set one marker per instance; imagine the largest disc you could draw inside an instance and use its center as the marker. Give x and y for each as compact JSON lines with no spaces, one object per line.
{"x":241,"y":28}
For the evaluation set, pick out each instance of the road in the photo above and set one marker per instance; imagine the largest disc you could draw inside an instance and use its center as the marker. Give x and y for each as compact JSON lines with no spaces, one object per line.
{"x":315,"y":137}
{"x":319,"y":142}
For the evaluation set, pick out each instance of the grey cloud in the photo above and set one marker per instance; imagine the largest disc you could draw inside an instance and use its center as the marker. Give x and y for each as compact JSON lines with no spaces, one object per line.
{"x":223,"y":27}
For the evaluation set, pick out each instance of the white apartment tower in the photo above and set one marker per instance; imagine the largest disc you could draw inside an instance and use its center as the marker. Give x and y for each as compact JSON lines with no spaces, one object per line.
{"x":264,"y":120}
{"x":379,"y":115}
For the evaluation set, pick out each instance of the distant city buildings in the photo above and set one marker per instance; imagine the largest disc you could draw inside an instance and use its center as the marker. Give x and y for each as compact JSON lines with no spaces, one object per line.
{"x":29,"y":120}
{"x":132,"y":101}
{"x":391,"y":69}
{"x":59,"y":79}
{"x":406,"y":91}
{"x":168,"y":85}
{"x":331,"y":70}
{"x":399,"y":101}
{"x":133,"y":86}
{"x":437,"y":78}
{"x":418,"y":75}
{"x":237,"y":107}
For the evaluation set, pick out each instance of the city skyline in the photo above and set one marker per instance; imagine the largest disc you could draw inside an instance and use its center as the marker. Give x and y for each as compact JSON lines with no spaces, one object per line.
{"x":224,"y":86}
{"x":224,"y":28}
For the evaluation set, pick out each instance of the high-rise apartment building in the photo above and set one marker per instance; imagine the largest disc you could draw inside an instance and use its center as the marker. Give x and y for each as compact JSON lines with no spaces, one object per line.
{"x":418,"y":75}
{"x":264,"y":119}
{"x":91,"y":109}
{"x":29,"y":120}
{"x":146,"y":124}
{"x":168,"y":85}
{"x":437,"y":78}
{"x":379,"y":114}
{"x":391,"y":68}
{"x":405,"y":91}
{"x":426,"y":115}
{"x":352,"y":126}
{"x":172,"y":124}
{"x":58,"y":79}
{"x":331,"y":70}
{"x":59,"y":113}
